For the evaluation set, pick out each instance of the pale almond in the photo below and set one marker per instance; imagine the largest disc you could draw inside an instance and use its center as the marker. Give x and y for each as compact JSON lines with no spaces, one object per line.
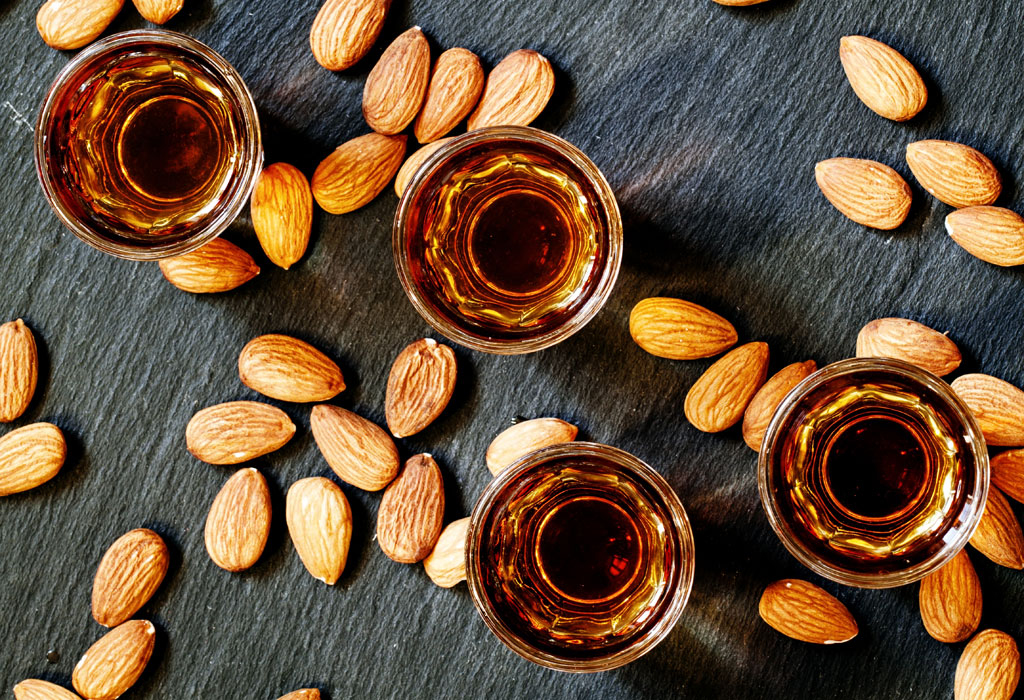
{"x":238,"y":523}
{"x":882,"y":78}
{"x":282,"y":213}
{"x":910,"y":341}
{"x":516,"y":91}
{"x":71,"y":24}
{"x":396,"y":86}
{"x":739,"y":3}
{"x":999,"y":536}
{"x":421,"y":382}
{"x":114,"y":663}
{"x":803,"y":611}
{"x":357,"y":171}
{"x":320,"y":525}
{"x":33,"y":689}
{"x":218,"y":266}
{"x":30,"y":456}
{"x":1008,"y":473}
{"x":446,"y":564}
{"x":989,"y":668}
{"x":762,"y":407}
{"x":359,"y":452}
{"x":304,"y":694}
{"x":237,"y":431}
{"x":525,"y":437}
{"x":158,"y":11}
{"x":868,"y":192}
{"x":718,"y":399}
{"x":679,"y":330}
{"x":953,"y":173}
{"x":992,"y":234}
{"x":950,"y":600}
{"x":410,"y":515}
{"x":289,"y":369}
{"x":19,"y":369}
{"x":130,"y":572}
{"x":454,"y":90}
{"x":413,"y":163}
{"x":997,"y":406}
{"x":344,"y":31}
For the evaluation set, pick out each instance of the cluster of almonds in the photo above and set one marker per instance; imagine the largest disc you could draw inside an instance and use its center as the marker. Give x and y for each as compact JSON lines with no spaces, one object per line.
{"x":71,"y":24}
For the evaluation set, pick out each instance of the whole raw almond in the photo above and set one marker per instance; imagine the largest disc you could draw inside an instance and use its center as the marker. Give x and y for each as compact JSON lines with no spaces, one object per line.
{"x":989,"y":668}
{"x":282,"y":213}
{"x":679,"y":330}
{"x":446,"y":564}
{"x":289,"y":369}
{"x":344,"y":31}
{"x":739,"y":3}
{"x":237,"y":431}
{"x":413,"y":163}
{"x":320,"y":525}
{"x":117,"y":659}
{"x":718,"y":399}
{"x":761,"y":408}
{"x":158,"y":11}
{"x":882,"y":78}
{"x":19,"y":369}
{"x":238,"y":523}
{"x":910,"y":341}
{"x":954,"y":173}
{"x":992,"y":234}
{"x":33,"y":689}
{"x":950,"y":600}
{"x":357,"y":171}
{"x":997,"y":406}
{"x":420,"y":385}
{"x":218,"y":266}
{"x":395,"y":88}
{"x":999,"y":535}
{"x":128,"y":575}
{"x":525,"y":437}
{"x":868,"y":192}
{"x":410,"y":515}
{"x":304,"y":694}
{"x":30,"y":456}
{"x":803,"y":611}
{"x":516,"y":91}
{"x":454,"y":89}
{"x":359,"y":452}
{"x":1008,"y":473}
{"x":71,"y":24}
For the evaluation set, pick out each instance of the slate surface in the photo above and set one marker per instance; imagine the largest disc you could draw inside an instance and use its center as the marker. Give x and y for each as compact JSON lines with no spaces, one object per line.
{"x":707,"y":122}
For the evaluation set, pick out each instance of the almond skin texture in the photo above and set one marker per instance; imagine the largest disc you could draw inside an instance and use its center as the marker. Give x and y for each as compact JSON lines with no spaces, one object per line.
{"x":882,"y":78}
{"x":803,"y":611}
{"x":718,"y":399}
{"x":359,"y":452}
{"x":516,"y":91}
{"x":19,"y":369}
{"x":992,"y":234}
{"x":345,"y":30}
{"x":129,"y":574}
{"x":910,"y":341}
{"x":679,"y":330}
{"x":950,"y":600}
{"x":761,"y":408}
{"x":455,"y":86}
{"x":320,"y":525}
{"x":289,"y":369}
{"x":446,"y":564}
{"x":117,"y":659}
{"x":989,"y":668}
{"x":71,"y":24}
{"x":158,"y":11}
{"x":305,"y":694}
{"x":868,"y":192}
{"x":526,"y":437}
{"x":357,"y":171}
{"x":420,"y":385}
{"x":1008,"y":473}
{"x":219,"y":266}
{"x":999,"y":536}
{"x":30,"y":456}
{"x":237,"y":431}
{"x":238,"y":523}
{"x":998,"y":407}
{"x":396,"y":86}
{"x":413,"y":162}
{"x":33,"y":689}
{"x":411,"y":511}
{"x":282,"y":213}
{"x":953,"y":173}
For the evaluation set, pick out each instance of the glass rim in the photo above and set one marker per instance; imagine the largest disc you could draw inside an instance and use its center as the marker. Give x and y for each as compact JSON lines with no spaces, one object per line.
{"x":972,"y":432}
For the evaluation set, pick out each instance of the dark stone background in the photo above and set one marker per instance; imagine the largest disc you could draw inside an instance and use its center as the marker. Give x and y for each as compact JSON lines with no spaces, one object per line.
{"x":707,"y":122}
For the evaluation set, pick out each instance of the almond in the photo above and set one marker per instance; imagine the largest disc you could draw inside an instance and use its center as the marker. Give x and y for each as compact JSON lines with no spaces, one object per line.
{"x":882,"y":78}
{"x":129,"y":574}
{"x":158,"y":11}
{"x":1008,"y":473}
{"x":679,"y":330}
{"x":304,"y":694}
{"x":989,"y":668}
{"x":413,"y":163}
{"x":238,"y":523}
{"x":71,"y":24}
{"x":41,"y":690}
{"x":762,"y":407}
{"x":420,"y":385}
{"x":237,"y":431}
{"x":525,"y":437}
{"x":992,"y":234}
{"x":359,"y":452}
{"x":998,"y":407}
{"x":516,"y":91}
{"x":396,"y":86}
{"x":718,"y":399}
{"x":320,"y":525}
{"x":117,"y":659}
{"x":19,"y":369}
{"x":739,"y":3}
{"x":344,"y":31}
{"x":289,"y":369}
{"x":950,"y":600}
{"x":219,"y":266}
{"x":999,"y":535}
{"x":282,"y":213}
{"x":357,"y":171}
{"x":910,"y":341}
{"x":803,"y":611}
{"x":30,"y":456}
{"x":954,"y":173}
{"x":410,"y":515}
{"x":446,"y":564}
{"x":455,"y":86}
{"x":870,"y":193}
